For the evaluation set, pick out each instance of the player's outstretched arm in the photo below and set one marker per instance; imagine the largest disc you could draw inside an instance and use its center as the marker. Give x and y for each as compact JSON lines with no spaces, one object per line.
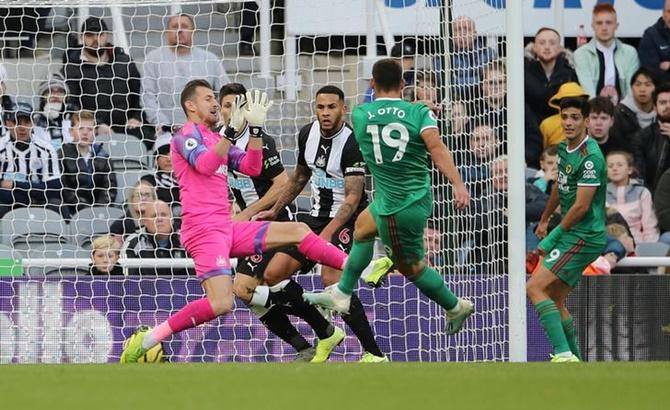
{"x":255,"y":111}
{"x":290,"y":190}
{"x":354,"y":187}
{"x":444,"y":161}
{"x":266,"y":201}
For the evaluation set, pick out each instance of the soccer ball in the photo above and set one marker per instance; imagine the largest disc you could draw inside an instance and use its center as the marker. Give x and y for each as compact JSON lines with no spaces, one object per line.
{"x":154,"y":355}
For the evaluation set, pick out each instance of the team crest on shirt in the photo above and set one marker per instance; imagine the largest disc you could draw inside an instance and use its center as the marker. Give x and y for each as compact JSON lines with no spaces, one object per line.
{"x":568,"y":169}
{"x":221,"y":261}
{"x":320,"y":162}
{"x":190,"y":144}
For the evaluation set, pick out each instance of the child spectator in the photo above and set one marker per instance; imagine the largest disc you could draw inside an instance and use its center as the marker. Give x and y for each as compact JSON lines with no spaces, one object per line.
{"x":105,"y":256}
{"x":630,"y":197}
{"x":545,"y":177}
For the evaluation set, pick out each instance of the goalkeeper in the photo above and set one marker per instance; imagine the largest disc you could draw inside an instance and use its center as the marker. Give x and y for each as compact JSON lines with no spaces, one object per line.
{"x":201,"y":159}
{"x":581,"y":236}
{"x":395,"y":138}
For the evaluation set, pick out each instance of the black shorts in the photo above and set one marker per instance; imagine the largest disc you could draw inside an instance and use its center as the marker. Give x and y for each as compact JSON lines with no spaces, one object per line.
{"x":342,"y":238}
{"x":255,"y":265}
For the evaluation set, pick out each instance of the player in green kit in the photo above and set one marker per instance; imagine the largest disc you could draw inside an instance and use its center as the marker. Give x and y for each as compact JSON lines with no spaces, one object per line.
{"x":579,"y":239}
{"x":395,"y":138}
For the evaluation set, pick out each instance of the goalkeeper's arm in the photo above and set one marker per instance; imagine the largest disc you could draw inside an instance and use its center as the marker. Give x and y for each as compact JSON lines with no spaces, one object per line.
{"x":444,"y":161}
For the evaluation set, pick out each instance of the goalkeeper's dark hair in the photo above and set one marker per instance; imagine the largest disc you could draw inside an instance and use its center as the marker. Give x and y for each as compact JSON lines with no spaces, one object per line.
{"x":387,"y":74}
{"x":189,"y":91}
{"x":580,"y":103}
{"x":331,"y":89}
{"x":232,"y":89}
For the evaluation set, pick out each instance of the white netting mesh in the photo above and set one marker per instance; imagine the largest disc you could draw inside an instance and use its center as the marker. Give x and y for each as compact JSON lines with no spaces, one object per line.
{"x":68,"y":315}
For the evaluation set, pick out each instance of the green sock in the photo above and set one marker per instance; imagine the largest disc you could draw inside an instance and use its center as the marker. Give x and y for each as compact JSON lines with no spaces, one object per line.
{"x":550,"y":318}
{"x":571,"y":334}
{"x":359,"y":258}
{"x":431,"y":284}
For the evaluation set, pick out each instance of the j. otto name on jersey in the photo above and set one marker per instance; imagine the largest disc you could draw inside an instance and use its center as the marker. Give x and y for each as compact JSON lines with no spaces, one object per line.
{"x":398,"y":112}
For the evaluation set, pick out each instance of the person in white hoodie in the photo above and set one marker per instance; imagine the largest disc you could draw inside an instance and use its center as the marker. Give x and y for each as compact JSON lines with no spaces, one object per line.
{"x":630,"y":197}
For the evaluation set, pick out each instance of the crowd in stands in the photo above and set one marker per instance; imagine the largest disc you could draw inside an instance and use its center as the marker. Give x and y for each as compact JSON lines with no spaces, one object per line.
{"x":49,"y":156}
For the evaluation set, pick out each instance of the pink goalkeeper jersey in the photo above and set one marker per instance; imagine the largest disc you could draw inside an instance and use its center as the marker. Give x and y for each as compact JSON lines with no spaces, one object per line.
{"x":203,"y":175}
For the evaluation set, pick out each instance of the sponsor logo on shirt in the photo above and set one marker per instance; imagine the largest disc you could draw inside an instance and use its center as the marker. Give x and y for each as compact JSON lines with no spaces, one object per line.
{"x":320,"y":180}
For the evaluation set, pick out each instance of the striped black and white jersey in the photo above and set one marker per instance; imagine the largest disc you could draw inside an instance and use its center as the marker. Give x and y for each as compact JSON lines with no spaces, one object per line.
{"x":330,"y":159}
{"x":247,"y":190}
{"x":36,"y":161}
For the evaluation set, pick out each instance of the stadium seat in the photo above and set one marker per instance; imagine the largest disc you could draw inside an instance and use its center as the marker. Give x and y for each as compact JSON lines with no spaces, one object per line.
{"x":125,"y":151}
{"x":54,"y":251}
{"x":25,"y":227}
{"x":653,"y":249}
{"x":7,"y":252}
{"x":90,"y":222}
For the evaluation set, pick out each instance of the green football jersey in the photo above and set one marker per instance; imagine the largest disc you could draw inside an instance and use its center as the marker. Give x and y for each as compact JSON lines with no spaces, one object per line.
{"x":584,"y":166}
{"x":388,"y":132}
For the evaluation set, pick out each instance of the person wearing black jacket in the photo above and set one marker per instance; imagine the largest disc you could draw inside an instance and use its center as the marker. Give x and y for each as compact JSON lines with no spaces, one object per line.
{"x":545,"y":72}
{"x":654,"y":47}
{"x":652,"y":144}
{"x":163,"y":178}
{"x":87,"y":178}
{"x":636,"y":111}
{"x":156,"y":239}
{"x":103,"y":79}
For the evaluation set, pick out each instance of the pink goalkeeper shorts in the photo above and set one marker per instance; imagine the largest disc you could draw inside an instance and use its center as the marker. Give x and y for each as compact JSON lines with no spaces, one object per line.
{"x":211,"y":247}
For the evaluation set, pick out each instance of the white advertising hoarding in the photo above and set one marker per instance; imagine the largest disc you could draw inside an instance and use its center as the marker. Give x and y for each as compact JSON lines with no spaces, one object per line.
{"x":422,"y":17}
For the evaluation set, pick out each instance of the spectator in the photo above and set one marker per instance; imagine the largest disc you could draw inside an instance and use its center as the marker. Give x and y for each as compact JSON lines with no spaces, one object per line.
{"x":662,"y":206}
{"x":628,"y":196}
{"x":548,"y":173}
{"x":425,"y":91}
{"x":601,"y":121}
{"x":88,"y":179}
{"x":105,"y":257}
{"x":482,"y":148}
{"x":637,"y":109}
{"x":432,"y":242}
{"x":3,"y":78}
{"x":29,"y":168}
{"x":652,"y":144}
{"x":492,"y":105}
{"x":654,"y":47}
{"x":605,"y":65}
{"x":469,"y":56}
{"x":55,"y":111}
{"x":546,"y":69}
{"x":156,"y":239}
{"x":5,"y":100}
{"x":552,"y":132}
{"x":103,"y":79}
{"x":167,"y":69}
{"x":141,"y":194}
{"x":167,"y":188}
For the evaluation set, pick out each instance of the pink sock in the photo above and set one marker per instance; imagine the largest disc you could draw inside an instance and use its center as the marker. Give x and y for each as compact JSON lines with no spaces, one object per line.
{"x":319,"y":250}
{"x":191,"y":315}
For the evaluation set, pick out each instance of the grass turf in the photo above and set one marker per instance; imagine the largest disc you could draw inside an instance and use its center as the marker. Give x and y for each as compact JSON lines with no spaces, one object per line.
{"x":537,"y":386}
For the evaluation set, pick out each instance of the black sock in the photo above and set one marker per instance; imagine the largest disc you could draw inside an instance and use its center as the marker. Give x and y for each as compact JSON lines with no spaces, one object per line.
{"x":358,"y":322}
{"x":276,"y":321}
{"x":291,"y":301}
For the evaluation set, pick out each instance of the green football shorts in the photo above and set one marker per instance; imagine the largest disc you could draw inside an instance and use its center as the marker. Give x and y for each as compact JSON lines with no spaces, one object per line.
{"x":570,"y":257}
{"x":402,"y":233}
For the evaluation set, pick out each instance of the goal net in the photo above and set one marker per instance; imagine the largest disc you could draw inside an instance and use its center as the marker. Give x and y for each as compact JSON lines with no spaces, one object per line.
{"x":60,"y":196}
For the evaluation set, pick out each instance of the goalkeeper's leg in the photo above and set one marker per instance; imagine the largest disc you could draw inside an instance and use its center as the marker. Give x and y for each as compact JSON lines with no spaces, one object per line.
{"x":219,"y":300}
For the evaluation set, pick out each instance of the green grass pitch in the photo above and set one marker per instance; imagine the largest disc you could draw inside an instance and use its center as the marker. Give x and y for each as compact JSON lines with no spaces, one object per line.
{"x":407,"y":386}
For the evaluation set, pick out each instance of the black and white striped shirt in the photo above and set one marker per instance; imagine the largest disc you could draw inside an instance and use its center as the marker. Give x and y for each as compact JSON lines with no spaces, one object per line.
{"x":248,"y":190}
{"x":36,"y":161}
{"x":330,"y":159}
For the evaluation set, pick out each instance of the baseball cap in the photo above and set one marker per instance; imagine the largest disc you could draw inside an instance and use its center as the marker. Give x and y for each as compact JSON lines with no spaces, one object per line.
{"x":19,"y":110}
{"x":94,"y":25}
